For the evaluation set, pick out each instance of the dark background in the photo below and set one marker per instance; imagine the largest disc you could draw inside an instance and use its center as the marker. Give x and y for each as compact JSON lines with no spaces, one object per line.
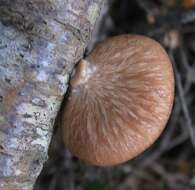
{"x":169,"y":164}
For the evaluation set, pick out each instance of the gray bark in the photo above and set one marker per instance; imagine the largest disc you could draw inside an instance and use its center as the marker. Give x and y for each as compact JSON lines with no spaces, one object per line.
{"x":40,"y":41}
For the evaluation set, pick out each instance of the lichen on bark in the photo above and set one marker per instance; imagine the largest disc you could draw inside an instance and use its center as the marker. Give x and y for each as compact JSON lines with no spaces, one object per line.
{"x":40,"y":41}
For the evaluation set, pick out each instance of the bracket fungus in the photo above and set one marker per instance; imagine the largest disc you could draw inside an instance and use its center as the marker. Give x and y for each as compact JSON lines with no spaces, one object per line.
{"x":120,"y":100}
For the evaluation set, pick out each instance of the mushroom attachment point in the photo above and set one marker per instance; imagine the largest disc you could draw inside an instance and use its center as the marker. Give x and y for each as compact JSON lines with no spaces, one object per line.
{"x":120,"y":100}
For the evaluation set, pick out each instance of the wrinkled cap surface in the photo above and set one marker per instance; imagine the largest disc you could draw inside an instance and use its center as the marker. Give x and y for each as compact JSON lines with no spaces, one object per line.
{"x":120,"y":100}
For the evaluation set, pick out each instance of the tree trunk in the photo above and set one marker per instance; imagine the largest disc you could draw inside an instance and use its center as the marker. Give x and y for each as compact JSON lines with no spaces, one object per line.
{"x":40,"y":41}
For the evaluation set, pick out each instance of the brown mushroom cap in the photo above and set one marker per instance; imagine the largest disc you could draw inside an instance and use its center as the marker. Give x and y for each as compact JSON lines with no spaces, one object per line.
{"x":120,"y":99}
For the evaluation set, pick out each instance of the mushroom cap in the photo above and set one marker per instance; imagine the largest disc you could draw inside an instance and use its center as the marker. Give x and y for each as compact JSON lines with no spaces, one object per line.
{"x":119,"y":101}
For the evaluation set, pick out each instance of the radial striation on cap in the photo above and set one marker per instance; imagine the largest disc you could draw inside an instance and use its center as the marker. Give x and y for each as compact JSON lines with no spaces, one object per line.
{"x":120,"y":100}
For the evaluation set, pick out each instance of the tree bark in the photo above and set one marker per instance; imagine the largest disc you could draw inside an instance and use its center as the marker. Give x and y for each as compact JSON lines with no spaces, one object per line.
{"x":40,"y":41}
